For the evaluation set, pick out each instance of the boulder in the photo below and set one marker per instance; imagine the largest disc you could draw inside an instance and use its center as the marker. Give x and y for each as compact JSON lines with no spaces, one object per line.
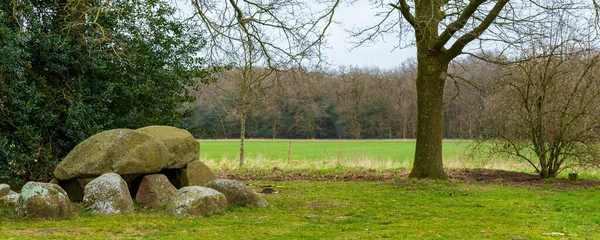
{"x":122,"y":151}
{"x":237,"y":193}
{"x":196,"y":201}
{"x":155,"y":190}
{"x":43,"y":200}
{"x":9,"y":200}
{"x":183,"y":147}
{"x":4,"y":189}
{"x":107,"y":194}
{"x":196,"y":173}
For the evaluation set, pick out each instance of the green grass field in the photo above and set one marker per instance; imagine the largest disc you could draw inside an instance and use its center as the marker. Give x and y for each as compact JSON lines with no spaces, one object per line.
{"x":354,"y":210}
{"x":406,"y":209}
{"x":376,"y":154}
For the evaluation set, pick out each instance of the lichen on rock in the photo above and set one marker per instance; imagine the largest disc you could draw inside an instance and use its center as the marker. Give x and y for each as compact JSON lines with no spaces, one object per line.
{"x":155,"y":190}
{"x":196,"y":201}
{"x":9,"y":200}
{"x":182,"y":146}
{"x":43,"y":200}
{"x":196,"y":173}
{"x":122,"y":151}
{"x":107,"y":195}
{"x":237,"y":193}
{"x":4,"y":189}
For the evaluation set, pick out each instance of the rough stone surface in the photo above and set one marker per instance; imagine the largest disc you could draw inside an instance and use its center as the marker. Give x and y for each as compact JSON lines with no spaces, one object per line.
{"x":196,"y":173}
{"x":155,"y":190}
{"x":237,"y":193}
{"x":183,"y":147}
{"x":9,"y":200}
{"x":121,"y":151}
{"x":4,"y":189}
{"x":196,"y":201}
{"x":43,"y":200}
{"x":107,"y":194}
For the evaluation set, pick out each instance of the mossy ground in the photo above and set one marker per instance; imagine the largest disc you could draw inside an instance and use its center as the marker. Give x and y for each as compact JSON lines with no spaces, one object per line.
{"x":355,"y":210}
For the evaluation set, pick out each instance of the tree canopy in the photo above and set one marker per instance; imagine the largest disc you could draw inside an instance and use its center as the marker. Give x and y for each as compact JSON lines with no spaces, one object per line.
{"x":70,"y":69}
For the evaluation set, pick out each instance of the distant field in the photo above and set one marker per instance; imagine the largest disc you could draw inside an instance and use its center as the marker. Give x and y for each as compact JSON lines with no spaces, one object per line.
{"x":341,"y":153}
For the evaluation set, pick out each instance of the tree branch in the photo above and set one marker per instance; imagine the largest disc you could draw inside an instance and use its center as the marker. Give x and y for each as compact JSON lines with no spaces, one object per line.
{"x":457,"y":25}
{"x":458,"y":46}
{"x":405,"y":10}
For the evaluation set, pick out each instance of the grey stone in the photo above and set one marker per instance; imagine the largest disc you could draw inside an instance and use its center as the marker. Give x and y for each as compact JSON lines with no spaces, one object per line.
{"x":122,"y":151}
{"x":107,"y":194}
{"x":9,"y":200}
{"x":237,"y":193}
{"x":196,"y":201}
{"x":43,"y":200}
{"x":183,"y":147}
{"x":4,"y":189}
{"x":155,"y":190}
{"x":196,"y":173}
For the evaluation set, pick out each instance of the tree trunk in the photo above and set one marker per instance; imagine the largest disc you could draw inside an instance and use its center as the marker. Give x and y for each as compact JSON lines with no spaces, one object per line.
{"x":431,"y":76}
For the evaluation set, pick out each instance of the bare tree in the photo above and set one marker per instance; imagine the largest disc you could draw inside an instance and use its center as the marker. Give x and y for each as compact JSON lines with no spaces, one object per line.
{"x":442,"y":30}
{"x":272,"y":34}
{"x":550,"y":110}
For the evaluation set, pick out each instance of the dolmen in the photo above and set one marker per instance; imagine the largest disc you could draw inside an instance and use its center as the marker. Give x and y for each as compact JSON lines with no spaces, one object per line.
{"x":155,"y":166}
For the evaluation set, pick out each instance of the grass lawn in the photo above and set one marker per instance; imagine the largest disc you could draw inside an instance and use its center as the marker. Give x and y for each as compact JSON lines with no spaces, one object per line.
{"x":407,"y":209}
{"x":355,"y":210}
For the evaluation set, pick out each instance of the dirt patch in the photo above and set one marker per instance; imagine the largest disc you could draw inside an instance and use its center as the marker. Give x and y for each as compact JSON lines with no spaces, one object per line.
{"x":46,"y":231}
{"x":509,"y":178}
{"x":486,"y":176}
{"x":346,"y":175}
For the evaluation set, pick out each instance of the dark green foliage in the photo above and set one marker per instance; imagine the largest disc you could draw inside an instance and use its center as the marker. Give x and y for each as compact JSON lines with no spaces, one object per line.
{"x":66,"y":75}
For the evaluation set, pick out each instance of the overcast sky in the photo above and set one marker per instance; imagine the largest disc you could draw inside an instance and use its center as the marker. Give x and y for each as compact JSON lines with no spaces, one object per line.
{"x":339,"y":52}
{"x":374,"y":55}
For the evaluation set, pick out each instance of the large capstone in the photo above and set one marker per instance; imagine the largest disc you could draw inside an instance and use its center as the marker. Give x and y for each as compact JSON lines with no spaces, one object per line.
{"x":155,"y":190}
{"x":237,"y":193}
{"x":122,"y":151}
{"x":183,"y":147}
{"x":196,"y":201}
{"x":107,"y":194}
{"x":196,"y":173}
{"x":43,"y":200}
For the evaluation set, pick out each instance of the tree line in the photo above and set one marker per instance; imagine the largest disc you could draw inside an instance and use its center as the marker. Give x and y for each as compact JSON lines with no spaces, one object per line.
{"x":345,"y":103}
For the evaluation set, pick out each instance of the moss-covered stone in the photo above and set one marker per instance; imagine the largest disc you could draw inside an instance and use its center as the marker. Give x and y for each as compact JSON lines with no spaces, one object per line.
{"x":4,"y":189}
{"x":196,"y":173}
{"x":43,"y":200}
{"x":121,"y":151}
{"x":155,"y":190}
{"x":196,"y":201}
{"x":237,"y":193}
{"x":183,"y":147}
{"x":9,"y":200}
{"x":107,"y":195}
